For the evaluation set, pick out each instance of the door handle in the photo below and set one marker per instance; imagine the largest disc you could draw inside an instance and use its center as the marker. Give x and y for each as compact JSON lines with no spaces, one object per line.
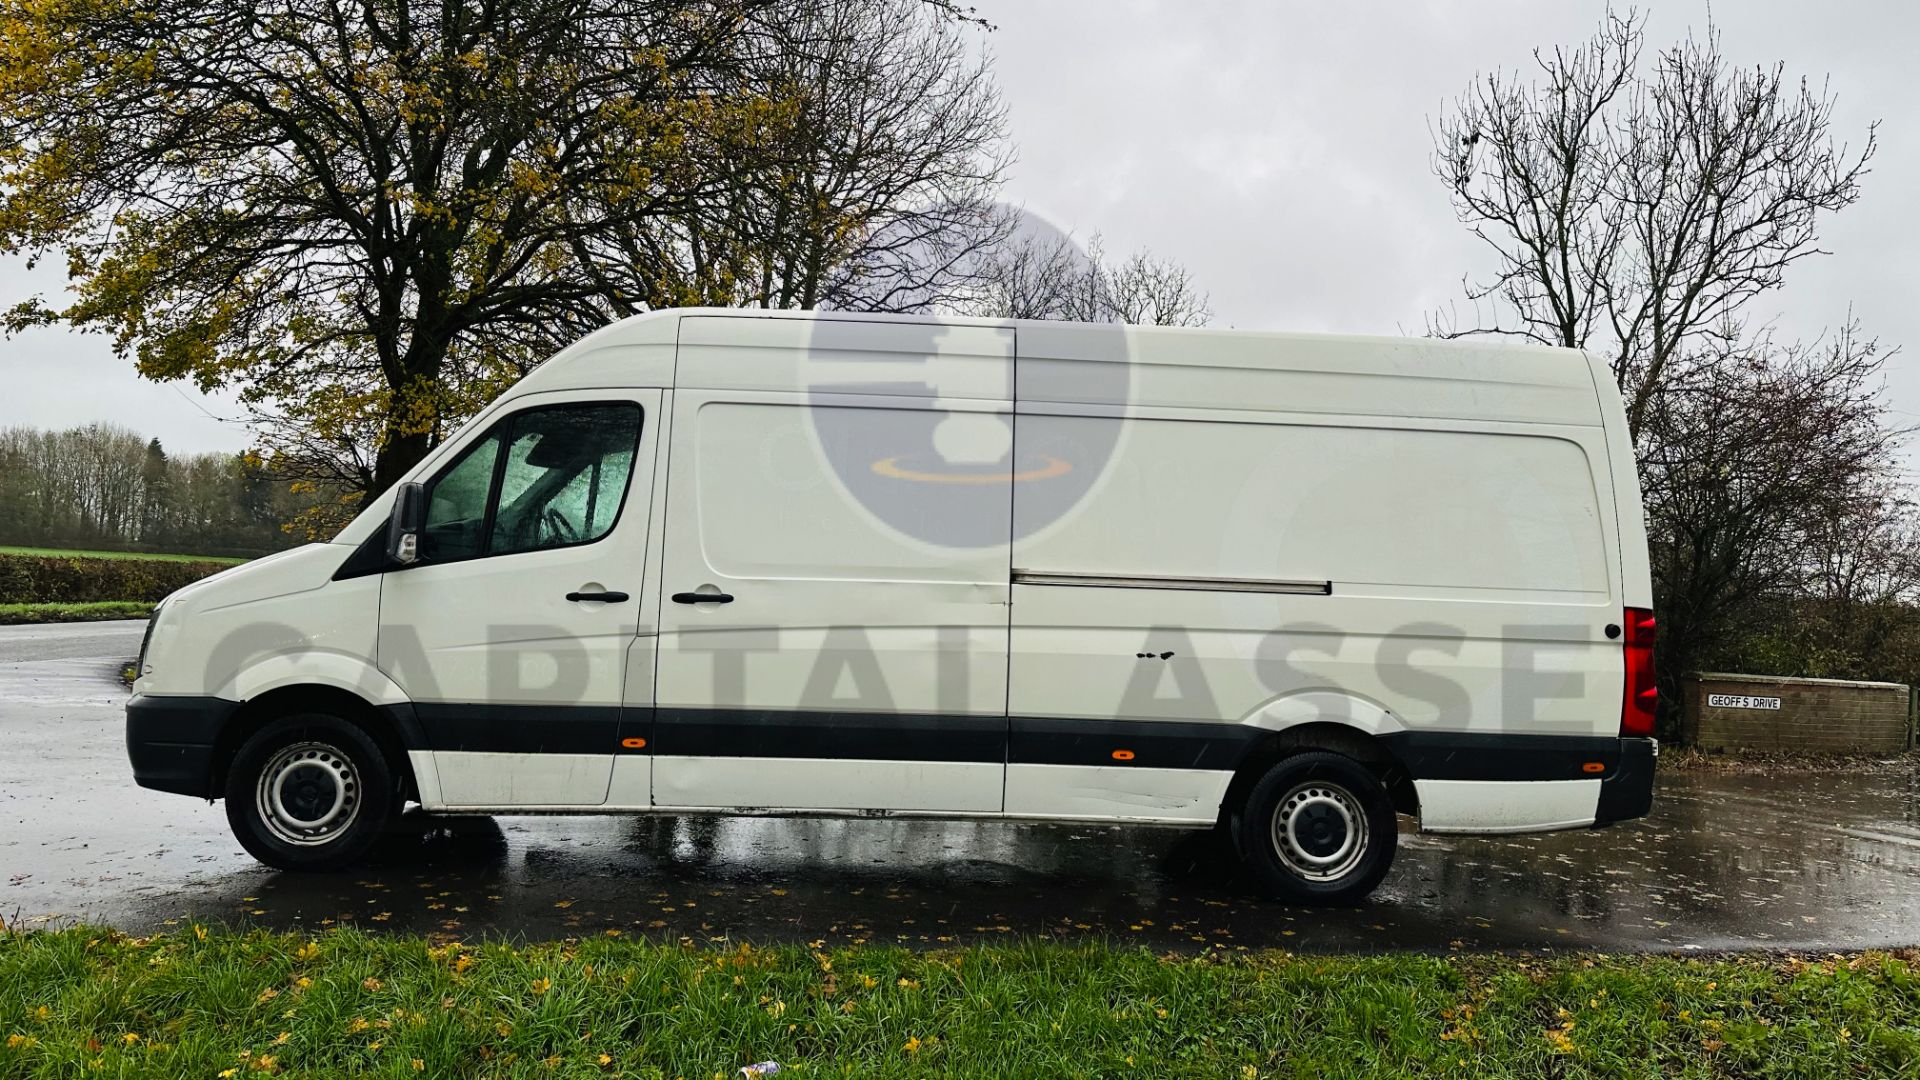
{"x":600,"y":597}
{"x":702,"y":598}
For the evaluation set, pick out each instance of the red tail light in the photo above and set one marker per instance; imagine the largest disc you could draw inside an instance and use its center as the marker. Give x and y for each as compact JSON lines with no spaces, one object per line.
{"x":1642,"y":692}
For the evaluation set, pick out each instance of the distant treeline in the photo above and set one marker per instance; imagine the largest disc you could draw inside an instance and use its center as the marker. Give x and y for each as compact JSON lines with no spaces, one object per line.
{"x":108,"y":488}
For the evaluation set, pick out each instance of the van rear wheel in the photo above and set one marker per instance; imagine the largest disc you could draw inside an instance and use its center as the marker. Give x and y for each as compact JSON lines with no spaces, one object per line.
{"x":308,"y":792}
{"x":1318,"y":828}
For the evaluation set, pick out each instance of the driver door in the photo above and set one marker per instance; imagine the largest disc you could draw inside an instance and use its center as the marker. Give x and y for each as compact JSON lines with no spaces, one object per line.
{"x":510,"y":634}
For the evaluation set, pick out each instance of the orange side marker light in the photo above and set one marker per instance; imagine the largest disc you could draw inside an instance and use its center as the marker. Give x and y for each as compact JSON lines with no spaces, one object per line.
{"x":1594,"y":766}
{"x":1123,"y":755}
{"x":633,"y":744}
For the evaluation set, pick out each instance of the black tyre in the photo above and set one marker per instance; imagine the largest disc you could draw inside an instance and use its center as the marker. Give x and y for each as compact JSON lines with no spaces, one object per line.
{"x":1318,"y":828}
{"x":309,"y":792}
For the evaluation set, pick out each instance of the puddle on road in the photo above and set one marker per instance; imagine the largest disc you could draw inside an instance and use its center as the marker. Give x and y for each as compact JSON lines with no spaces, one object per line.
{"x":1725,"y":862}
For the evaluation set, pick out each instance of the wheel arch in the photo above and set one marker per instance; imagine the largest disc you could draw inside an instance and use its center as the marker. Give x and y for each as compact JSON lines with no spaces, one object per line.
{"x":392,"y":728}
{"x":1333,"y":736}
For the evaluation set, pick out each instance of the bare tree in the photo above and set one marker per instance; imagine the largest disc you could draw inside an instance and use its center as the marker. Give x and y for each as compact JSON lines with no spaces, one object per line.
{"x":1633,"y":211}
{"x":914,"y":139}
{"x":878,"y":191}
{"x":1145,"y":290}
{"x":1855,"y":613}
{"x":1634,"y":207}
{"x":1049,"y":277}
{"x":1031,"y":277}
{"x":1756,"y":455}
{"x":1866,"y":550}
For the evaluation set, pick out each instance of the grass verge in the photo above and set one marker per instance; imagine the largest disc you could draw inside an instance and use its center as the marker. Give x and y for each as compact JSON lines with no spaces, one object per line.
{"x":226,"y":1004}
{"x":90,"y":611}
{"x":65,"y":553}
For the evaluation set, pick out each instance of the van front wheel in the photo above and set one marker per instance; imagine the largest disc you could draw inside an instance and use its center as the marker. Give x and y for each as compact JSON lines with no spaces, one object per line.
{"x":1318,"y":829}
{"x":308,"y":792}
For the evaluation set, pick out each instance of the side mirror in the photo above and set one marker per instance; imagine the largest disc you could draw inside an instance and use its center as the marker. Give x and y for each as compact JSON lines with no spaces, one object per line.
{"x":404,"y":524}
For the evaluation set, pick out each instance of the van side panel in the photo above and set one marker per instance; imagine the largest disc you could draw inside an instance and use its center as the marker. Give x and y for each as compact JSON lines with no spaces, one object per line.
{"x":1417,"y":573}
{"x":1499,"y":512}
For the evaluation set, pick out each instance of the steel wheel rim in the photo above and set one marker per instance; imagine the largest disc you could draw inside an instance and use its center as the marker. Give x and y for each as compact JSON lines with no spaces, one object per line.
{"x":308,"y":794}
{"x":1320,"y":831}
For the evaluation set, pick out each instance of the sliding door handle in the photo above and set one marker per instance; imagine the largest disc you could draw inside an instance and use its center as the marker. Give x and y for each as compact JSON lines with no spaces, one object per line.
{"x":702,"y":598}
{"x":598,"y":597}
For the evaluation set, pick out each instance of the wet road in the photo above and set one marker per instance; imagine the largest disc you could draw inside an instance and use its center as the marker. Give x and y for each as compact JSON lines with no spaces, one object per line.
{"x":1806,"y":862}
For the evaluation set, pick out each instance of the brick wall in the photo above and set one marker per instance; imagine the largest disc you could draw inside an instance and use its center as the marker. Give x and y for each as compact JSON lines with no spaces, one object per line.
{"x":1819,"y":715}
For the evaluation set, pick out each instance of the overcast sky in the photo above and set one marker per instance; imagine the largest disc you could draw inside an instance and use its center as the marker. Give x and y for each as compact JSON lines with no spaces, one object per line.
{"x":1278,"y":150}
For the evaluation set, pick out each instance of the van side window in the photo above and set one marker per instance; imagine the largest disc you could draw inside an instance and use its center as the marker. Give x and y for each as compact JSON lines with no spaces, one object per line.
{"x":565,"y":475}
{"x":542,"y":478}
{"x":456,"y":519}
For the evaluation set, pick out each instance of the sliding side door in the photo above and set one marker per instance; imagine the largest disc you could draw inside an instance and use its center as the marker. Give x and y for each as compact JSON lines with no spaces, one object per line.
{"x":836,"y":568}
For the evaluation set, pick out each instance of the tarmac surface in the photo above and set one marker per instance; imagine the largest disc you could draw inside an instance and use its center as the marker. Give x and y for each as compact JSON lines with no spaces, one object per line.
{"x":1824,"y":861}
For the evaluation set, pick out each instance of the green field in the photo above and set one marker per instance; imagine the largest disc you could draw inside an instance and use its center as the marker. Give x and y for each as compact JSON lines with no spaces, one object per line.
{"x":214,"y":1003}
{"x":62,"y":553}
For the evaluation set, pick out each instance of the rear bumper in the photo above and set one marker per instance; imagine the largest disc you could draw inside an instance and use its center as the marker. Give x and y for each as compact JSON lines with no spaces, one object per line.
{"x":1474,"y":783}
{"x":1627,"y":791}
{"x":170,"y":741}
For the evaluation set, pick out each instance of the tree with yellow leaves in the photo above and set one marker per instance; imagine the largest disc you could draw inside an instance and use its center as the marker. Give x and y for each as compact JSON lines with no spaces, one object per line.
{"x":368,"y":216}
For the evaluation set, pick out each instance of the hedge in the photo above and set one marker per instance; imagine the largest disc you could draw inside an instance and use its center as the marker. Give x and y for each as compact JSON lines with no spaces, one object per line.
{"x":43,"y":579}
{"x":88,"y":611}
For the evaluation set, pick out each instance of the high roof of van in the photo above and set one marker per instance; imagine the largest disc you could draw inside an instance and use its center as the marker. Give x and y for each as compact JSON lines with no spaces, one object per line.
{"x":1091,"y":364}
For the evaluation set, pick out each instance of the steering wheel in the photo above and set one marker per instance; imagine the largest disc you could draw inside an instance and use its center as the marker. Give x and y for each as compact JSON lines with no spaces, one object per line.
{"x":558,"y":527}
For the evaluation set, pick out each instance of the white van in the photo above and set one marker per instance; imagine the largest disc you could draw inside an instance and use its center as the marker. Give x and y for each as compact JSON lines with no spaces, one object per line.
{"x":761,"y":562}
